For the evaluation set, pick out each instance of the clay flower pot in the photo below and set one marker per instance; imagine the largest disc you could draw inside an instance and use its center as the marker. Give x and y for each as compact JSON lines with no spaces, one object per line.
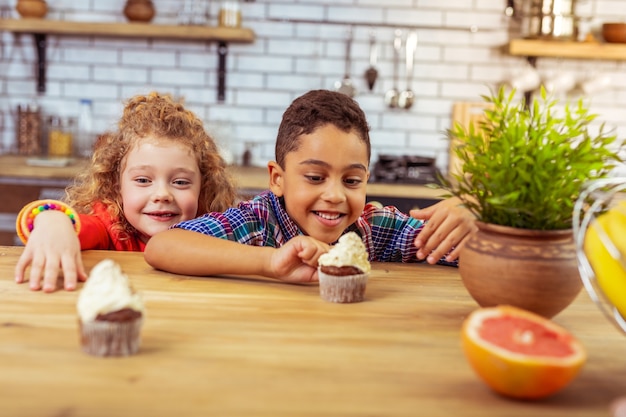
{"x":139,"y":10}
{"x":35,"y":9}
{"x":530,"y":269}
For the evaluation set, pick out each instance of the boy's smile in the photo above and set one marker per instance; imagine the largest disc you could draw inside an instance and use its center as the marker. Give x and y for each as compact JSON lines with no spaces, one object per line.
{"x":323,"y":182}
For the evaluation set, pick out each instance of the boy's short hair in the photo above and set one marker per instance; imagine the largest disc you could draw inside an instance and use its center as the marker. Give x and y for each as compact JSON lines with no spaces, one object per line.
{"x":315,"y":109}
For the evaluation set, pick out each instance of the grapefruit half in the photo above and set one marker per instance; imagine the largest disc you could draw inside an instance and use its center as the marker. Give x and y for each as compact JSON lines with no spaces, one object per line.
{"x":520,"y":354}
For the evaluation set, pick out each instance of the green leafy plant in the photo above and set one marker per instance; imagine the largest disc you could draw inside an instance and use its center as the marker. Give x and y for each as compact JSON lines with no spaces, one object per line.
{"x":524,"y":166}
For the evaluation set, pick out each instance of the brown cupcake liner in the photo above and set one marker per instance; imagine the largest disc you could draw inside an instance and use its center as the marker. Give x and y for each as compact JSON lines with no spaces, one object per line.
{"x":342,"y":289}
{"x":107,"y":338}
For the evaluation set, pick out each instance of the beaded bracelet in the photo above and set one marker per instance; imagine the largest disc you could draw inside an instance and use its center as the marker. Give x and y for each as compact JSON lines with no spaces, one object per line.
{"x":25,"y":221}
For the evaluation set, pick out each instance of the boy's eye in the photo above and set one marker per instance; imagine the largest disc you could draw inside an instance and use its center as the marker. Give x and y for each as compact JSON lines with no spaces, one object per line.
{"x":314,"y":178}
{"x":353,"y":181}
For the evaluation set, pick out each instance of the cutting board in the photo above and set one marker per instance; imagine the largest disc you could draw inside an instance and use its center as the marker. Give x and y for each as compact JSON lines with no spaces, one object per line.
{"x":466,"y":113}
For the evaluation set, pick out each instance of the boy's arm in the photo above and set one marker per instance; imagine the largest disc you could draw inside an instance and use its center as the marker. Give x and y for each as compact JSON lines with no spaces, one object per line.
{"x":191,"y":253}
{"x":448,"y":227}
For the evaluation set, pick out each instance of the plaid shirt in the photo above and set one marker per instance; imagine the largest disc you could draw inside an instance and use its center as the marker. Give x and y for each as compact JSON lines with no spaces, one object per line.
{"x":388,"y":234}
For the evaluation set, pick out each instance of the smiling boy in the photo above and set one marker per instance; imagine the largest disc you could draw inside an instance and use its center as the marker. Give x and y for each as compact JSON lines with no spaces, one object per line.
{"x":317,"y":193}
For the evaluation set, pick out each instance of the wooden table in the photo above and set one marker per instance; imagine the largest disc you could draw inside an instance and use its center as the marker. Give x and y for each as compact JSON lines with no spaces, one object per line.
{"x":246,"y":346}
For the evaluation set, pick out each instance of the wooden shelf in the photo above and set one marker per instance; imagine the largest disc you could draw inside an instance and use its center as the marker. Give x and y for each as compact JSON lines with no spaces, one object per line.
{"x":567,"y":49}
{"x":129,"y":30}
{"x":41,"y":28}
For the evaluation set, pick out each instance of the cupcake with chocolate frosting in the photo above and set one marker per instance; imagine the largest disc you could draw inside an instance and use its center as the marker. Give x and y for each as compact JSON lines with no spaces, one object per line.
{"x":110,"y":312}
{"x":344,"y":270}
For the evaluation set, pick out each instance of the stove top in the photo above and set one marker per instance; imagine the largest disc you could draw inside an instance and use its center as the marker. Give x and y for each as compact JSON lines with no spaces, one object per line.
{"x":405,"y":169}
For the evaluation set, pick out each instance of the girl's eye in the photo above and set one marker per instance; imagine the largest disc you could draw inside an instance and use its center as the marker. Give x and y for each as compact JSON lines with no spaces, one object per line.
{"x":142,"y":180}
{"x":182,"y":182}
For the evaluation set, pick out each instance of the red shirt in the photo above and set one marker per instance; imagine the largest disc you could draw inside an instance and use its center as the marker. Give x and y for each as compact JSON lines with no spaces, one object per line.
{"x":96,"y":233}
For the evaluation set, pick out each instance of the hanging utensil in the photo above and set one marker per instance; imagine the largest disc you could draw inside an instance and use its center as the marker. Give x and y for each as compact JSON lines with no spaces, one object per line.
{"x":407,"y":97}
{"x":391,"y":96}
{"x":371,"y":74}
{"x":346,"y":86}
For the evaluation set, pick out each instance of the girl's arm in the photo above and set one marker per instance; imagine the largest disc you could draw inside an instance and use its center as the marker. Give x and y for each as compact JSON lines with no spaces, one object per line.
{"x":191,"y":253}
{"x":52,"y":248}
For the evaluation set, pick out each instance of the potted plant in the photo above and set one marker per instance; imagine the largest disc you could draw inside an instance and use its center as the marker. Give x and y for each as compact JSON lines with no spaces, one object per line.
{"x":523,"y":168}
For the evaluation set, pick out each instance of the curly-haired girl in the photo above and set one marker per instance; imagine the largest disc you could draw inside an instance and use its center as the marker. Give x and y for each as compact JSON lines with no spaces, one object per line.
{"x":159,"y":168}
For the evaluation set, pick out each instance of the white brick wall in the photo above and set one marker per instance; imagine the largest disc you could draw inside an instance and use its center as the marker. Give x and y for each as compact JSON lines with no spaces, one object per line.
{"x":292,"y":54}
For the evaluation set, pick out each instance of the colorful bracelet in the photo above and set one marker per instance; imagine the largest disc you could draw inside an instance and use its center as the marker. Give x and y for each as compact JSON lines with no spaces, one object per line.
{"x":25,"y":221}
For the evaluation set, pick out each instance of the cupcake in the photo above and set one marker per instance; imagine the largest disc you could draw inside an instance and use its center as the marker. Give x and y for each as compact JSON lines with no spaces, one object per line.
{"x":344,"y":270}
{"x":110,"y":312}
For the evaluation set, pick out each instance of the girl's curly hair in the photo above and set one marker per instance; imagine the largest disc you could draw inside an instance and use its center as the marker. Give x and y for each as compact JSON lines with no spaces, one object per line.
{"x":161,"y":117}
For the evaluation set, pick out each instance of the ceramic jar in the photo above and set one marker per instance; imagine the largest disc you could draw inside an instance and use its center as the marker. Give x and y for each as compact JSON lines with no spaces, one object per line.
{"x":532,"y":269}
{"x":139,"y":10}
{"x":36,"y":9}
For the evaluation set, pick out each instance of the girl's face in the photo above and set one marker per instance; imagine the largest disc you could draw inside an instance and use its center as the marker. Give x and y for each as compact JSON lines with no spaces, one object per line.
{"x":324,"y":182}
{"x":160,"y":185}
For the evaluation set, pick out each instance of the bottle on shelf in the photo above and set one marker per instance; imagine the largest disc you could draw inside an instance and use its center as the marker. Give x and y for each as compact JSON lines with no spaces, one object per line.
{"x":85,"y":137}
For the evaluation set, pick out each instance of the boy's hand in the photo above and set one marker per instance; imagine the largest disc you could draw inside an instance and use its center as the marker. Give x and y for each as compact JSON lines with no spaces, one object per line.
{"x":296,"y":261}
{"x":52,"y":247}
{"x":448,"y":227}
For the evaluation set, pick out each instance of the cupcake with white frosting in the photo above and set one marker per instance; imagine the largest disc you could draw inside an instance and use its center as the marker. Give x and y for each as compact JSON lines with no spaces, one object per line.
{"x":344,"y":270}
{"x":110,"y":312}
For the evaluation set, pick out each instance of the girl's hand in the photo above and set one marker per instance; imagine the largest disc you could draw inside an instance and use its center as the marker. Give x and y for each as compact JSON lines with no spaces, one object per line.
{"x":296,"y":261}
{"x":448,"y":227}
{"x":52,"y":248}
{"x":618,"y":407}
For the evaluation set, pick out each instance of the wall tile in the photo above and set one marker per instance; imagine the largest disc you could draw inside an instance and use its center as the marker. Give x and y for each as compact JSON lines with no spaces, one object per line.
{"x":299,"y":46}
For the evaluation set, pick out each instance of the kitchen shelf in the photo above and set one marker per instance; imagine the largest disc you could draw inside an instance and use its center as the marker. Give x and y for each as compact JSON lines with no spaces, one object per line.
{"x":40,"y":28}
{"x":567,"y":49}
{"x":130,"y":30}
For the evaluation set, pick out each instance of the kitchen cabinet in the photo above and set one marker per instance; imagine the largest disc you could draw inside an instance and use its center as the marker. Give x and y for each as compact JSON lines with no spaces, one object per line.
{"x":40,"y":28}
{"x":21,"y":184}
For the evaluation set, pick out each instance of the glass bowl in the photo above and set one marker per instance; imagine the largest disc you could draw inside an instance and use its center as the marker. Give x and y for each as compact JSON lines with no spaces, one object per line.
{"x":597,"y":197}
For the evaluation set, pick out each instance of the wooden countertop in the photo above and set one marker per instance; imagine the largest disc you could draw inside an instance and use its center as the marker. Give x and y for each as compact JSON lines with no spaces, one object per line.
{"x":247,"y":178}
{"x":245,"y":346}
{"x":14,"y":166}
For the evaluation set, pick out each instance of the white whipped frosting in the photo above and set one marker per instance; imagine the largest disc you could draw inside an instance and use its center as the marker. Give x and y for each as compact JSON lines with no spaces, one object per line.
{"x":107,"y":289}
{"x":349,"y":251}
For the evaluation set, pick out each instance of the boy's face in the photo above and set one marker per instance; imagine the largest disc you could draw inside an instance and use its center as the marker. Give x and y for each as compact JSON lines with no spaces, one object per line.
{"x":324,"y":182}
